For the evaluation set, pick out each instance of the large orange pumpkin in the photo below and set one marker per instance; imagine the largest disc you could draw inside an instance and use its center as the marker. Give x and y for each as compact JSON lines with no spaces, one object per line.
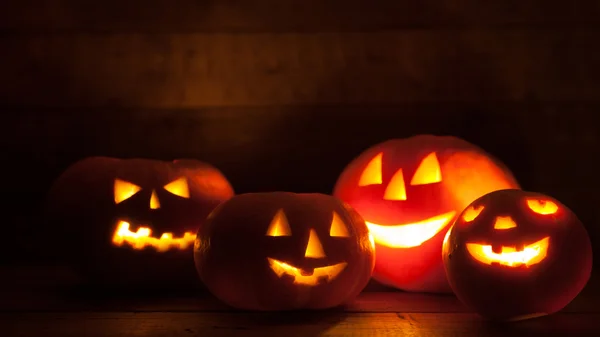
{"x":409,"y":191}
{"x":283,"y":251}
{"x":133,"y":221}
{"x":513,"y":254}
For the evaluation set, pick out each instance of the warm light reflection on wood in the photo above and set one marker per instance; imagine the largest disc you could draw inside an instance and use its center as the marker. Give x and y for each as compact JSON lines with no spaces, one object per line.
{"x":509,"y":256}
{"x":326,"y":273}
{"x":142,"y":238}
{"x":409,"y":235}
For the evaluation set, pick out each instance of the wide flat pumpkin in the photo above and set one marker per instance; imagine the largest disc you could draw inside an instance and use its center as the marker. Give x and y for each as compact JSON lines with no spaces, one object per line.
{"x":133,"y":221}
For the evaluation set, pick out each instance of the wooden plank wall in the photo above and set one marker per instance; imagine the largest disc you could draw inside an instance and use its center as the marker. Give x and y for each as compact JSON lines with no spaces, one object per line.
{"x":281,"y":94}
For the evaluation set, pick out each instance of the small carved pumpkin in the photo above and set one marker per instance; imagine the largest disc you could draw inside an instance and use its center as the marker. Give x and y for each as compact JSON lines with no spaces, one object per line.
{"x":283,"y":251}
{"x":513,"y":255}
{"x":134,"y":221}
{"x":409,"y":191}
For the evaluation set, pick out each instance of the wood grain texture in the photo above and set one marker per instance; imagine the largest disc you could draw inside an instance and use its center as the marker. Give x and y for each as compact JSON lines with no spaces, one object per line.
{"x":30,"y":309}
{"x":201,"y":301}
{"x":290,"y":15}
{"x":59,"y":289}
{"x":290,"y":324}
{"x":225,"y":69}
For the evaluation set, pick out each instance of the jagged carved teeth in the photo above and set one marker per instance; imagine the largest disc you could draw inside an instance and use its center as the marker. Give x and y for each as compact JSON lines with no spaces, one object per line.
{"x":496,"y":248}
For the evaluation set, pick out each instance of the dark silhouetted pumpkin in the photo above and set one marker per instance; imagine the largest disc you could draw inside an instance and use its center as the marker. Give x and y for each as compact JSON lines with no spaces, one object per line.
{"x":283,"y":251}
{"x":133,"y":221}
{"x":513,"y":255}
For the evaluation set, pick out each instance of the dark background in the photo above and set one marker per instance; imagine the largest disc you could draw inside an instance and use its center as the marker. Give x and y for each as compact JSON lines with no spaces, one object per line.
{"x":281,"y":95}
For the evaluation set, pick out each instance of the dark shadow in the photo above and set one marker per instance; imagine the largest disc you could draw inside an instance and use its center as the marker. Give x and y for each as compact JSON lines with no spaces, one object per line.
{"x":57,"y":79}
{"x":551,"y":325}
{"x":305,"y":323}
{"x":95,"y":298}
{"x":375,"y":286}
{"x":306,"y":147}
{"x":94,"y":291}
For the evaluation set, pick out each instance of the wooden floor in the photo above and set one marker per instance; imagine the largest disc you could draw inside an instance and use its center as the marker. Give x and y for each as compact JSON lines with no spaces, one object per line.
{"x":28,"y":308}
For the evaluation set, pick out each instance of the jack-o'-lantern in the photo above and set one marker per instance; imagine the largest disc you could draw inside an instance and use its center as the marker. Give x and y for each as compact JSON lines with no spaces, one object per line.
{"x":513,"y":255}
{"x":133,"y":221}
{"x":284,"y":251}
{"x":409,"y":191}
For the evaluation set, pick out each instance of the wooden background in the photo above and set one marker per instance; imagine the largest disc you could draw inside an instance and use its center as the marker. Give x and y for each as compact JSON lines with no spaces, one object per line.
{"x":281,"y":94}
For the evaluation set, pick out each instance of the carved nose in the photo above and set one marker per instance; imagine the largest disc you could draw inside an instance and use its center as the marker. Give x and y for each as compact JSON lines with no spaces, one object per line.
{"x":314,"y":248}
{"x":396,"y":189}
{"x":504,"y":222}
{"x":154,"y":203}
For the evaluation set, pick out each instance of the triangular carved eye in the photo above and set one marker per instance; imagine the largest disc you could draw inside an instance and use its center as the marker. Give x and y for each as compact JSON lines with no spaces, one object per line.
{"x":471,"y":213}
{"x":279,"y":225}
{"x":372,"y":173}
{"x":428,"y":172}
{"x":338,"y":227}
{"x":178,"y":187}
{"x":124,"y":190}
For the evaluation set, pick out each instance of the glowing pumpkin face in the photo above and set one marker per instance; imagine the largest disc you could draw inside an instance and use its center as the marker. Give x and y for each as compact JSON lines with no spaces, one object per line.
{"x":142,"y":237}
{"x":529,"y":248}
{"x":409,"y":191}
{"x":280,"y":251}
{"x":132,"y":214}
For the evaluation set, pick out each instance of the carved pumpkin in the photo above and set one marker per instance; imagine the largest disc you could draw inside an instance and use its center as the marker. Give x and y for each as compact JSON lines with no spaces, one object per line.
{"x":409,"y":191}
{"x":283,"y":251}
{"x":513,"y":255}
{"x":134,"y":221}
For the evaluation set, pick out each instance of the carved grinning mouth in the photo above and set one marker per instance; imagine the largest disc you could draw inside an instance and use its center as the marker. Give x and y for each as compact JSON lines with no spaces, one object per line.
{"x":409,"y":235}
{"x":142,"y":238}
{"x":304,"y":277}
{"x":510,"y":256}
